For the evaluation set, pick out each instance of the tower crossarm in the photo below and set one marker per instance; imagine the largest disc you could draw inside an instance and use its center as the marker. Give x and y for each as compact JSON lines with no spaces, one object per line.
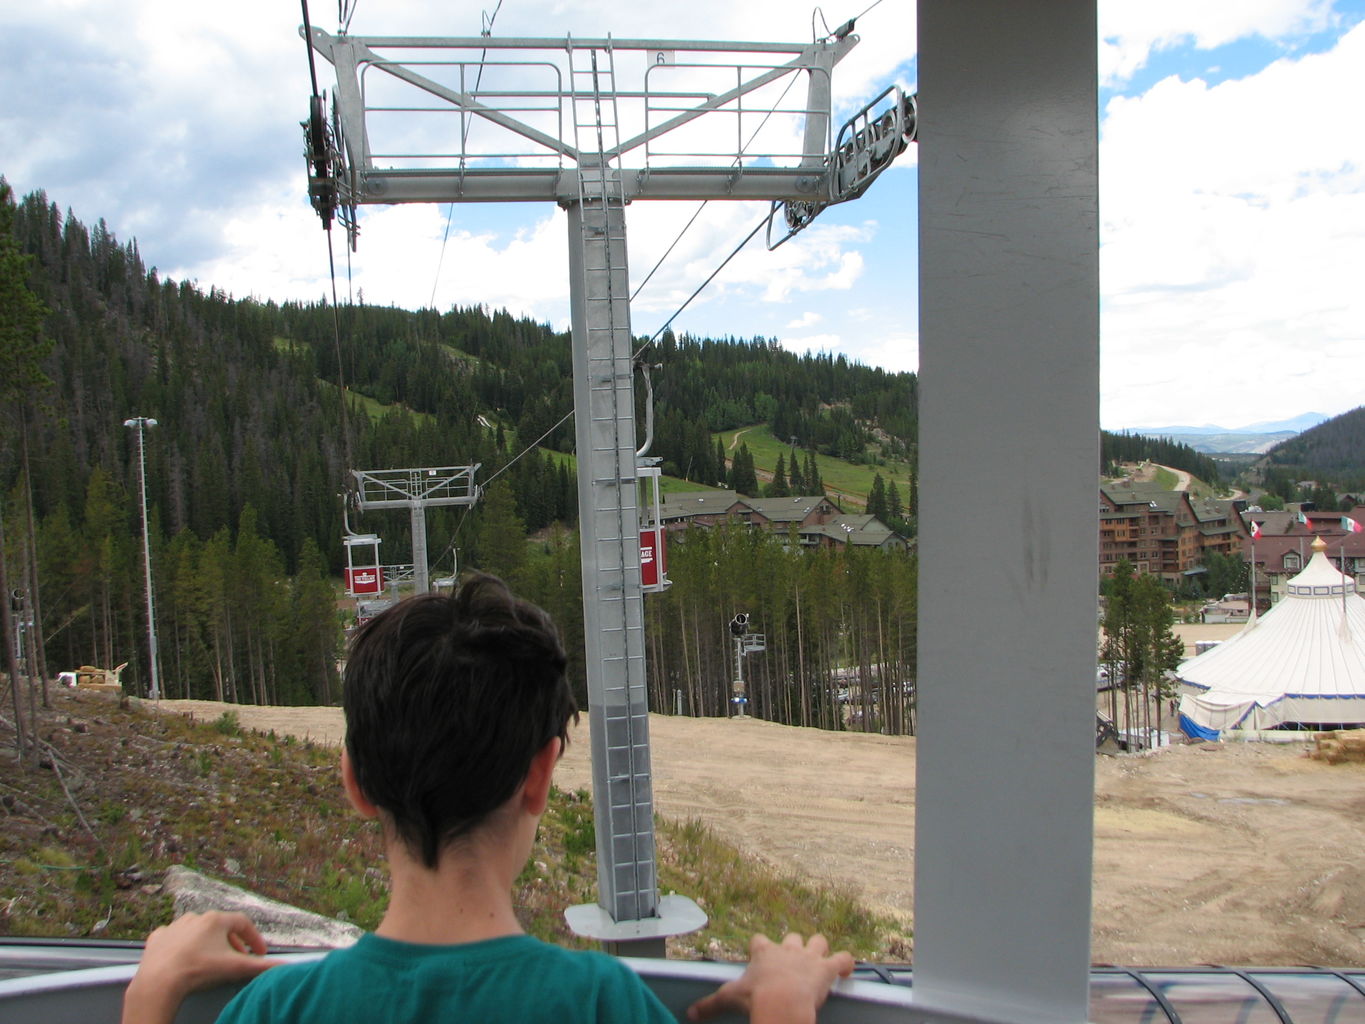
{"x":406,"y":488}
{"x":483,"y":119}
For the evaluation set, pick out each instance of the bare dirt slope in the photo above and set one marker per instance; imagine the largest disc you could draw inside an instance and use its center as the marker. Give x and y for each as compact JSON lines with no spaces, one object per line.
{"x":1236,"y":853}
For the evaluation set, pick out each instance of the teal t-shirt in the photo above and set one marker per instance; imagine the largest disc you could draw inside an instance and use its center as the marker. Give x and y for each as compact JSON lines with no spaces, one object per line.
{"x":512,"y":979}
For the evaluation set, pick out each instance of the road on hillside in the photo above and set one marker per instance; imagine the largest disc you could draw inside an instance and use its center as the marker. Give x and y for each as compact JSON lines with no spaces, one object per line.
{"x":1146,"y":473}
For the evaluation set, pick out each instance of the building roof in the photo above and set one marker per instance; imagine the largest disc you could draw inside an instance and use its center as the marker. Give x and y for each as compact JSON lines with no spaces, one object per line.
{"x":789,"y":510}
{"x":860,"y":531}
{"x":1281,"y":533}
{"x":1302,"y":661}
{"x":1286,"y":523}
{"x":685,"y":504}
{"x":1127,"y":495}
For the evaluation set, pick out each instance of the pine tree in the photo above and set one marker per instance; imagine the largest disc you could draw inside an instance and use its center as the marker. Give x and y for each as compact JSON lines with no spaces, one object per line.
{"x":876,"y":498}
{"x":23,"y":346}
{"x":895,"y":511}
{"x":184,"y":620}
{"x":778,"y":487}
{"x":500,"y":540}
{"x":1140,"y":646}
{"x":796,"y":481}
{"x":814,"y":483}
{"x":317,"y":638}
{"x":1162,"y":650}
{"x":23,"y":343}
{"x":742,"y":475}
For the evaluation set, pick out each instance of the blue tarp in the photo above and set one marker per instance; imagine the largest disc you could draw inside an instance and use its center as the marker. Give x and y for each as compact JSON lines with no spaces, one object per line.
{"x":1195,"y":731}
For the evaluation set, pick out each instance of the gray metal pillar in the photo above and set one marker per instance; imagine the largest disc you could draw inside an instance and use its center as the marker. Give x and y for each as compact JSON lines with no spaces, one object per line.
{"x":1009,"y":362}
{"x":421,"y":572}
{"x":613,"y":608}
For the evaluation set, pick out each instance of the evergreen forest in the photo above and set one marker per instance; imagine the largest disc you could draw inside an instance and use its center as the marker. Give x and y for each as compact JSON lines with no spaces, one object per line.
{"x":262,"y":410}
{"x":1331,"y":455}
{"x":1126,"y":447}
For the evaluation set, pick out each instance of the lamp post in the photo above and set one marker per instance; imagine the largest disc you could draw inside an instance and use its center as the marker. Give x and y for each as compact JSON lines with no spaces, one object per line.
{"x":142,"y":423}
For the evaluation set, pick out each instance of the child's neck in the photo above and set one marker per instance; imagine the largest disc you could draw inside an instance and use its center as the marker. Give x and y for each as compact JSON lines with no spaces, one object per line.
{"x":467,"y":898}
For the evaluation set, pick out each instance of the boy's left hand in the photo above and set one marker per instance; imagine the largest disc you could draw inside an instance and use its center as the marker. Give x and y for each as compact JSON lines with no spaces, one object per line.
{"x":193,"y":952}
{"x":787,"y":982}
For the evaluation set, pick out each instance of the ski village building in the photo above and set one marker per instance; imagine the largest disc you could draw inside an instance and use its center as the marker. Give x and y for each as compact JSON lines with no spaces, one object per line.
{"x":1285,"y":545}
{"x":1166,"y":533}
{"x":816,"y":519}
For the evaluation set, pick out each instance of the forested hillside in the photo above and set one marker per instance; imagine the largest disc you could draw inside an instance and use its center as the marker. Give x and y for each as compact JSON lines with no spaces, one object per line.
{"x":1125,"y":447}
{"x":254,"y":443}
{"x":1332,"y":452}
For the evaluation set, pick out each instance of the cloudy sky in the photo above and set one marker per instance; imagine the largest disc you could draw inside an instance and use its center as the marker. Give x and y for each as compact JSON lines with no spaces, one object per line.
{"x":1232,"y":184}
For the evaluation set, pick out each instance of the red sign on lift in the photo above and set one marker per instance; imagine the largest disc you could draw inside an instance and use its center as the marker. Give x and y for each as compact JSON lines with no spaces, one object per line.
{"x":653,"y":558}
{"x":368,"y":580}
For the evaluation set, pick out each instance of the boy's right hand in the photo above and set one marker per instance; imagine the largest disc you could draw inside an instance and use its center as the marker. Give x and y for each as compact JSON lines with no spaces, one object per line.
{"x":786,"y":982}
{"x":193,"y":952}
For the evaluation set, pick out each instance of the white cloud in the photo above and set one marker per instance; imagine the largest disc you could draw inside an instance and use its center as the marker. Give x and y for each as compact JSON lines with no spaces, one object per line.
{"x":1233,"y":223}
{"x":813,"y":343}
{"x":1130,"y":32}
{"x":897,"y":351}
{"x":396,"y":261}
{"x":806,"y":319}
{"x":824,"y":257}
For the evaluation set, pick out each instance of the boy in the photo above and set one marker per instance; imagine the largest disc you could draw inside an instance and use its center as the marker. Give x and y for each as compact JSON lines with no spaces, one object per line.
{"x":457,"y":710}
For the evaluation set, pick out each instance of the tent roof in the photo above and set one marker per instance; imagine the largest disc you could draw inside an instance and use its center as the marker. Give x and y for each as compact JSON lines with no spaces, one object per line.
{"x":1311,"y":644}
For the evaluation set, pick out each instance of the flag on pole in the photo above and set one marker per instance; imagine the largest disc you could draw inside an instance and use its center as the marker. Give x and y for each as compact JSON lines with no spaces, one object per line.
{"x":1255,"y":530}
{"x":1303,"y":518}
{"x":1350,"y":525}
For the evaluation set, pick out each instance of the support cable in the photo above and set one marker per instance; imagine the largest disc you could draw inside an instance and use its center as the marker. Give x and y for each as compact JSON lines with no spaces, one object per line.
{"x":336,"y":341}
{"x":529,"y":448}
{"x":818,"y":12}
{"x":843,"y":29}
{"x":569,"y":415}
{"x":486,"y":30}
{"x":331,"y":259}
{"x":671,"y":246}
{"x":791,"y":80}
{"x":345,"y":11}
{"x":350,"y":291}
{"x":864,"y":11}
{"x":308,"y":42}
{"x":711,"y":277}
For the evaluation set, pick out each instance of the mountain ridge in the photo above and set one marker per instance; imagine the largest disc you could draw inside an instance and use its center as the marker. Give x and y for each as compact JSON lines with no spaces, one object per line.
{"x":1252,"y":439}
{"x":1294,"y":424}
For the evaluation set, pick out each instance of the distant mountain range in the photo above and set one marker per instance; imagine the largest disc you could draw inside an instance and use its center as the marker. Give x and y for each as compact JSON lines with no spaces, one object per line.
{"x":1252,"y":439}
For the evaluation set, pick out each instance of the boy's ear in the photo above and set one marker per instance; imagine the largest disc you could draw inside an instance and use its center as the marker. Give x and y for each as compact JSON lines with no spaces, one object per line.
{"x":354,"y":793}
{"x":535,"y":792}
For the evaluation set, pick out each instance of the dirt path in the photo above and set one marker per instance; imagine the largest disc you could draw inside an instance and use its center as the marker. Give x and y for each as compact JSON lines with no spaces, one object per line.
{"x":1146,"y":472}
{"x":734,"y":441}
{"x":1237,"y":853}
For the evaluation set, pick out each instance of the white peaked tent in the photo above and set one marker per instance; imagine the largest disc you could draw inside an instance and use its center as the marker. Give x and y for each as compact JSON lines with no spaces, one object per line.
{"x":1301,"y":662}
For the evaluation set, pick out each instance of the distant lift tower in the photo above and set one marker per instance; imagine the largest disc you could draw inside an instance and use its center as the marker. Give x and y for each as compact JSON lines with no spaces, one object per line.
{"x":434,"y":120}
{"x":416,"y":490}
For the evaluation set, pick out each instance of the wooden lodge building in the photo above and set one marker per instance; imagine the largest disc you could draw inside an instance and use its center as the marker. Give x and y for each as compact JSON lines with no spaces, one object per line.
{"x":817,"y":520}
{"x":1166,"y":533}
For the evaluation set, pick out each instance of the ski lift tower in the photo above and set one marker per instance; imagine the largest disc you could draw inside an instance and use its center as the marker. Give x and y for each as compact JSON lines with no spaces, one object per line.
{"x":595,"y":124}
{"x":416,"y":490}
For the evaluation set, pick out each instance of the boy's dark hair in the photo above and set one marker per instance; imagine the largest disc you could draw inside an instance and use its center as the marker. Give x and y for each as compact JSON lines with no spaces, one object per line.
{"x":447,"y":699}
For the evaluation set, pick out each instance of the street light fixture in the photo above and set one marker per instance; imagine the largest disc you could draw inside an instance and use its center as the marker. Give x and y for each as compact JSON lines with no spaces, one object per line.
{"x":142,"y":423}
